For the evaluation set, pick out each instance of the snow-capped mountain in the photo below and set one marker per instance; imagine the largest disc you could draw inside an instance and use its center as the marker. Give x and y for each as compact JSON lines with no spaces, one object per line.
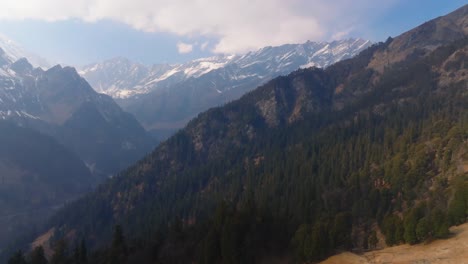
{"x":107,"y":77}
{"x":60,"y":103}
{"x":14,"y":52}
{"x":166,"y":97}
{"x":121,"y":78}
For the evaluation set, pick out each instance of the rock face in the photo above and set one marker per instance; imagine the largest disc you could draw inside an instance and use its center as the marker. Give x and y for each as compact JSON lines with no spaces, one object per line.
{"x":165,"y":97}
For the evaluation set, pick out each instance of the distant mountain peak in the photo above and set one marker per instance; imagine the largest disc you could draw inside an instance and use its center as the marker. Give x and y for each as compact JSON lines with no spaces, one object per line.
{"x":121,"y":78}
{"x":22,"y":66}
{"x":14,"y":52}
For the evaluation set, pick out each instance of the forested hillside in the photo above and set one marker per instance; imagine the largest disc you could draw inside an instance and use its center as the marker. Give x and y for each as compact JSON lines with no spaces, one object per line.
{"x":37,"y":175}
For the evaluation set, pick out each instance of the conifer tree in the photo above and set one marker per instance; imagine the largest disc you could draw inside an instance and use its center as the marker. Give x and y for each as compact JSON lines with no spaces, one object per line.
{"x":17,"y":258}
{"x":37,"y":256}
{"x":60,"y":253}
{"x":118,"y":252}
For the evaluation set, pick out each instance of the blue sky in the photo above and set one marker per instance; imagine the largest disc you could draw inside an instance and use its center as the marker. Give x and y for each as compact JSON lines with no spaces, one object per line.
{"x":79,"y":32}
{"x":76,"y":42}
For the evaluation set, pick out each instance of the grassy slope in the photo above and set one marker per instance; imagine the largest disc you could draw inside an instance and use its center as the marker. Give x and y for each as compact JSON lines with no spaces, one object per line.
{"x":451,"y":250}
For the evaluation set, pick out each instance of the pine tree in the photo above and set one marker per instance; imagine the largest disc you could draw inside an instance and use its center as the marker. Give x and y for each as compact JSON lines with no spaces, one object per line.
{"x":118,"y":252}
{"x":83,"y":253}
{"x":410,"y":228}
{"x":458,"y":210}
{"x":373,"y":240}
{"x":423,"y":229}
{"x":17,"y":258}
{"x":60,"y":253}
{"x":37,"y":256}
{"x":80,"y":253}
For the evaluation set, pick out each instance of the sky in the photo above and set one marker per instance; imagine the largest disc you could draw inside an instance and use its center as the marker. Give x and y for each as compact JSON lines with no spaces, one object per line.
{"x":80,"y":32}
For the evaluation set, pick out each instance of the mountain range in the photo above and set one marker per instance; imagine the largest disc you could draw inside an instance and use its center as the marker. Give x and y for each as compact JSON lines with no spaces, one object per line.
{"x":165,"y":97}
{"x":370,"y":150}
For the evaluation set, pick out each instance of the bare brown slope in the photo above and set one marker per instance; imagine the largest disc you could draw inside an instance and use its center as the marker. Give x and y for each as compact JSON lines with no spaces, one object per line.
{"x":453,"y":250}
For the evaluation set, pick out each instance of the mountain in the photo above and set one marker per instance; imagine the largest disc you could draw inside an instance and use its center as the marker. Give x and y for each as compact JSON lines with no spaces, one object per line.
{"x":165,"y":97}
{"x":15,"y":52}
{"x":58,"y":138}
{"x":59,"y":103}
{"x":114,"y":77}
{"x":318,"y":161}
{"x":37,"y":175}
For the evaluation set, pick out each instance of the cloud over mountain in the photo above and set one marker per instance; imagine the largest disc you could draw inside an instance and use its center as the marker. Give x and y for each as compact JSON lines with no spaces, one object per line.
{"x":236,"y":26}
{"x":184,"y":47}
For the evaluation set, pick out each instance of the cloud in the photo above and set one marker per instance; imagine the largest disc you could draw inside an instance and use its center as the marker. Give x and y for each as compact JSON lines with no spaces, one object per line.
{"x":184,"y":47}
{"x":342,"y":34}
{"x":237,"y":26}
{"x":204,"y":45}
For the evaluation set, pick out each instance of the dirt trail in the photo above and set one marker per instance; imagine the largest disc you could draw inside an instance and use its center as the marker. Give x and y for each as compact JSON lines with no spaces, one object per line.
{"x":453,"y":250}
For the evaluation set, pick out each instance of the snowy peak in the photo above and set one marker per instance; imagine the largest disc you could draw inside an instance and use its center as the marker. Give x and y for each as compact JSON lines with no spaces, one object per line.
{"x":202,"y":66}
{"x":114,"y":75}
{"x":4,"y":58}
{"x":317,"y":54}
{"x":13,"y":52}
{"x":121,"y":78}
{"x":118,"y":65}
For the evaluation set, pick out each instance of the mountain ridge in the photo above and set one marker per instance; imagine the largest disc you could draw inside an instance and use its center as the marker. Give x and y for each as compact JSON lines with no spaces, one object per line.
{"x":312,"y":53}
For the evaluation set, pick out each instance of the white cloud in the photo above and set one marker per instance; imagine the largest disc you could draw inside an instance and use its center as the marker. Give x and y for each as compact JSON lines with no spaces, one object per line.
{"x":238,"y":25}
{"x":204,"y":45}
{"x":342,"y":34}
{"x":184,"y":47}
